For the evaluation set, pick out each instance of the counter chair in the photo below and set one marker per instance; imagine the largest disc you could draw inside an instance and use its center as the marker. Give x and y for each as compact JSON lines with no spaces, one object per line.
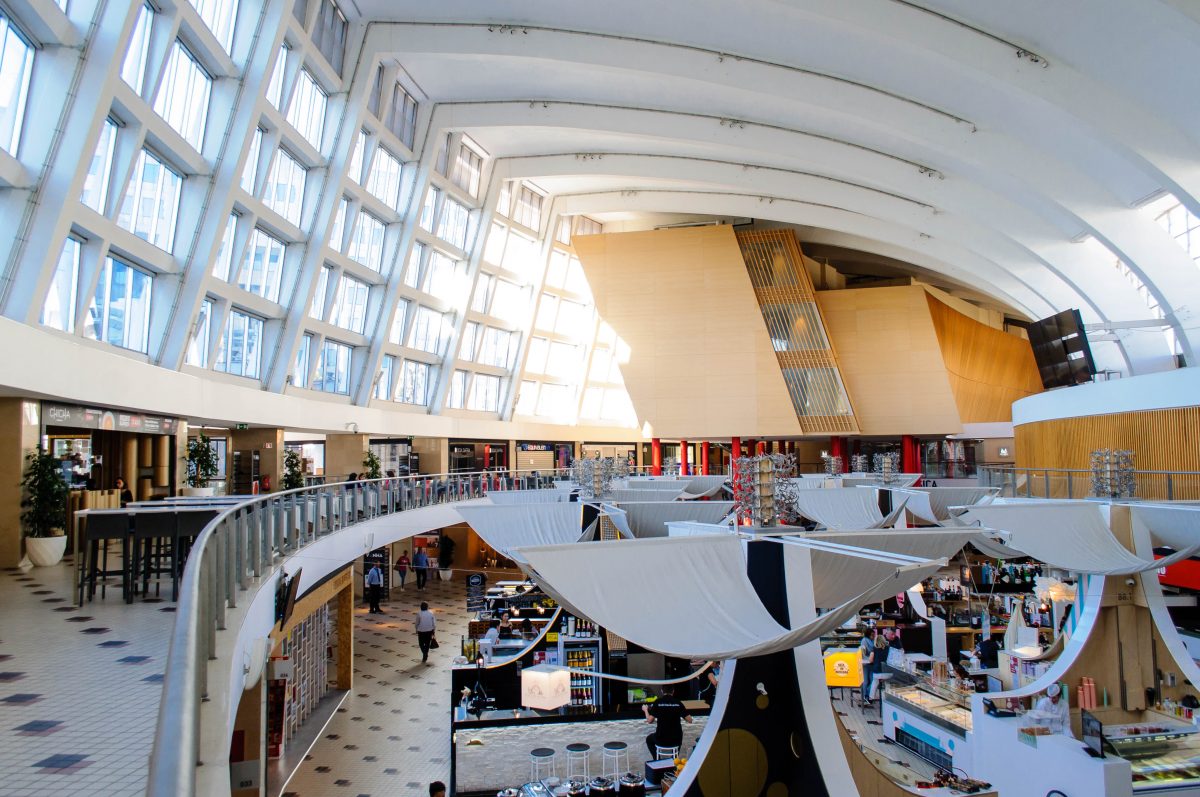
{"x":663,"y":753}
{"x":579,"y":761}
{"x":190,"y":522}
{"x":104,"y":528}
{"x":614,"y":759}
{"x":542,"y":763}
{"x":154,"y":536}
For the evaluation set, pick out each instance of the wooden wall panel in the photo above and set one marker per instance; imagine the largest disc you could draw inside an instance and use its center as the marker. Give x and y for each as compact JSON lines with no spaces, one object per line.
{"x":890,"y":360}
{"x":988,"y":368}
{"x":1166,"y":440}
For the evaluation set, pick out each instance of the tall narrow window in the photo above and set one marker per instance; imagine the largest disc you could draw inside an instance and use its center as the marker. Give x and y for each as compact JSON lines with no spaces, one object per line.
{"x":483,"y":293}
{"x":355,"y":167}
{"x":458,"y":390}
{"x":428,"y":328}
{"x":303,"y":364}
{"x":470,"y":339}
{"x":329,"y":34}
{"x":376,"y":95}
{"x":275,"y":87}
{"x":497,"y":348}
{"x":383,"y":386}
{"x":239,"y":352}
{"x":317,"y":309}
{"x":429,"y":209}
{"x":197,"y":351}
{"x":337,"y":235}
{"x":485,"y":393}
{"x":412,"y":271}
{"x":16,"y":66}
{"x":402,"y":116}
{"x":250,"y":170}
{"x":151,"y":201}
{"x":333,"y":368}
{"x":527,"y":209}
{"x":413,"y":387}
{"x":183,"y":96}
{"x":350,"y":307}
{"x":133,"y":68}
{"x":444,"y":276}
{"x":383,"y":181}
{"x":366,"y":245}
{"x":465,"y":173}
{"x":120,"y":311}
{"x":224,"y":263}
{"x":454,"y":223}
{"x":58,"y":310}
{"x":95,"y":185}
{"x":285,"y":187}
{"x":219,"y":16}
{"x":398,"y":320}
{"x":306,"y":111}
{"x":262,"y":267}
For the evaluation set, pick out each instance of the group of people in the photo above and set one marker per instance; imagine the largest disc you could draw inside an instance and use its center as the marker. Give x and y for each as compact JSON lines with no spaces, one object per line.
{"x":874,"y":650}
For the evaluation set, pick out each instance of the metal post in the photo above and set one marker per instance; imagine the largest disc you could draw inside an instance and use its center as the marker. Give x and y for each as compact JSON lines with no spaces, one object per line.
{"x":1170,"y":488}
{"x":1070,"y":491}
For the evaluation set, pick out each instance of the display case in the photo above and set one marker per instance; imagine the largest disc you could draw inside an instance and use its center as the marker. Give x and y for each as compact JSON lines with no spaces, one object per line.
{"x":934,"y":722}
{"x":1164,"y":756}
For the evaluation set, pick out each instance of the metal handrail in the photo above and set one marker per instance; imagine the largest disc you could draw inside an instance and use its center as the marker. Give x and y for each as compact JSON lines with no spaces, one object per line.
{"x":1050,"y":482}
{"x":250,"y":540}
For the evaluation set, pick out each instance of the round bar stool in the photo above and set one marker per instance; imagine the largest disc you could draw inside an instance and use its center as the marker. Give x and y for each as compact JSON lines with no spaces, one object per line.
{"x":578,"y":755}
{"x":541,"y":758}
{"x":663,"y":753}
{"x":614,"y":759}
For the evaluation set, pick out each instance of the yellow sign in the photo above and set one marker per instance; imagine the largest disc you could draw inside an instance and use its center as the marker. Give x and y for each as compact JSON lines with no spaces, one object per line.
{"x":843,"y":668}
{"x":552,"y":636}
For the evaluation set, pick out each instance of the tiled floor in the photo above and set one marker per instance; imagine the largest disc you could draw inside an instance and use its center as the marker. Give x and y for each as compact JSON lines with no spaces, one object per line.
{"x":79,"y":688}
{"x":392,"y":735}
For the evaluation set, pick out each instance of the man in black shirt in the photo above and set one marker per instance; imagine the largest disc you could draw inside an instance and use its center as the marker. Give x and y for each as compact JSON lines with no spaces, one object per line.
{"x":667,"y":710}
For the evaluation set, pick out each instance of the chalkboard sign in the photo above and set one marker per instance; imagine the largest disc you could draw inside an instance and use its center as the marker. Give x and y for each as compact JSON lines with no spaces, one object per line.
{"x":382,"y":557}
{"x":476,"y":587}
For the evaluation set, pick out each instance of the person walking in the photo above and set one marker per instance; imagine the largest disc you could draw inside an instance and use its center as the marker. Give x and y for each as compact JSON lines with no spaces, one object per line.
{"x":420,"y":565}
{"x":426,"y":624}
{"x":374,"y":587}
{"x":401,"y":568}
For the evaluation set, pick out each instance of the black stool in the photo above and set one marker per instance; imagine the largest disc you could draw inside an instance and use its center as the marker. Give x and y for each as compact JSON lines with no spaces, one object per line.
{"x":103,"y":528}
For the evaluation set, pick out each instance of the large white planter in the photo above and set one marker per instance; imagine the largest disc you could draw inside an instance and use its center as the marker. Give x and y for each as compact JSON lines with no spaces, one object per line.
{"x":445,"y":575}
{"x":200,"y":492}
{"x":46,"y":551}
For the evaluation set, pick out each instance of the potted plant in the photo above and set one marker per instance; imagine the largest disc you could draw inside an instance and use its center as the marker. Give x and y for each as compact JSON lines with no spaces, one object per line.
{"x":446,"y":547}
{"x":201,"y":466}
{"x":372,"y":466}
{"x":293,"y":470}
{"x":43,"y":508}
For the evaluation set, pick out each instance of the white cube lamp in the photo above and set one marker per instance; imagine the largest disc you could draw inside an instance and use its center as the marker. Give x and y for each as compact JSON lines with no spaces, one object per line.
{"x":545,"y":687}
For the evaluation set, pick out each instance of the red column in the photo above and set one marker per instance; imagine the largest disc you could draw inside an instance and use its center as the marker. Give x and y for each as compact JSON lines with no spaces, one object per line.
{"x":837,"y":448}
{"x":704,"y":458}
{"x":760,"y":448}
{"x":735,"y":451}
{"x":683,"y":458}
{"x":655,"y":457}
{"x":910,"y":455}
{"x":487,"y":457}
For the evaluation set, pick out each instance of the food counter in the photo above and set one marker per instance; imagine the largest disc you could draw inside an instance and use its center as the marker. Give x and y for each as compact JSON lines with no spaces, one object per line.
{"x":932,"y":721}
{"x":1163,"y":755}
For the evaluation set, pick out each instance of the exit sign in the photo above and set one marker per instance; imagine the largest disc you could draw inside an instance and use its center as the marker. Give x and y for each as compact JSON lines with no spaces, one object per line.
{"x":241,"y":427}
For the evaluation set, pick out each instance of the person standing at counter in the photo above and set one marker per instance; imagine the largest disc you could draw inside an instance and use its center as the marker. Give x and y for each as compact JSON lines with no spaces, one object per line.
{"x":374,"y":587}
{"x":1053,"y":711}
{"x":866,"y":649}
{"x":426,"y":624}
{"x":420,"y":565}
{"x":124,"y":492}
{"x":667,"y":711}
{"x":401,"y":568}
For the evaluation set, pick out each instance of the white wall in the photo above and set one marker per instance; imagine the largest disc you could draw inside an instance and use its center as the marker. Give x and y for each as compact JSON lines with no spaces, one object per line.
{"x":1164,"y":390}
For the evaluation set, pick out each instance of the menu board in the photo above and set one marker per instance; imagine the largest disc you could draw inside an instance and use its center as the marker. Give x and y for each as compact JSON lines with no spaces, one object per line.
{"x":116,"y":420}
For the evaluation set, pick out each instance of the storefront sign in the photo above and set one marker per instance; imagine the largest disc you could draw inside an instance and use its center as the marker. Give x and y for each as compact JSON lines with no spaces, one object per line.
{"x":535,"y":446}
{"x":843,"y":668}
{"x":115,"y":420}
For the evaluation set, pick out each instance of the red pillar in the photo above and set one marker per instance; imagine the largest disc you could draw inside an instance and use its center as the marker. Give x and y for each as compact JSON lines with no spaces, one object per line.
{"x":704,"y":458}
{"x":655,"y":457}
{"x":735,"y":452}
{"x":683,"y":458}
{"x":910,"y":455}
{"x":487,"y":457}
{"x":760,"y":448}
{"x":837,"y":448}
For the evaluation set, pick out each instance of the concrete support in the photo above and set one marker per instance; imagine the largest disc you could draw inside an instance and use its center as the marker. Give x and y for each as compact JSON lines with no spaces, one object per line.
{"x":434,"y":453}
{"x":344,"y":455}
{"x":269,"y":444}
{"x":19,"y":433}
{"x":656,"y":457}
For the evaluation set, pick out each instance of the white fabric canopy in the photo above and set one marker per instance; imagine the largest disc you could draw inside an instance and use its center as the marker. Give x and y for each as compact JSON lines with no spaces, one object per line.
{"x":704,"y":486}
{"x":652,"y":483}
{"x":840,"y":570}
{"x":932,"y":504}
{"x":550,"y":496}
{"x":619,"y":518}
{"x":808,"y":482}
{"x":687,"y":597}
{"x":872,"y":480}
{"x":1072,"y":535}
{"x":512,"y":526}
{"x":620,"y":496}
{"x":649,"y":518}
{"x":688,"y":528}
{"x":845,"y":508}
{"x":924,"y":543}
{"x":1174,"y":526}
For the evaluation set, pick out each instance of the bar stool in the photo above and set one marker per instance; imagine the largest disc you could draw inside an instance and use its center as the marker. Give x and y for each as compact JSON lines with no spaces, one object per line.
{"x":663,"y":753}
{"x":614,"y":759}
{"x":578,"y":764}
{"x":103,"y":528}
{"x":539,"y":758}
{"x":154,"y":536}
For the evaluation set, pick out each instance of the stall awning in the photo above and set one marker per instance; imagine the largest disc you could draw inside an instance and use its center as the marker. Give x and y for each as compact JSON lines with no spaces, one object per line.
{"x":621,"y":495}
{"x":925,"y":543}
{"x":690,"y":597}
{"x":704,"y":486}
{"x":1174,"y":526}
{"x":551,"y":496}
{"x":846,"y":508}
{"x":932,"y":504}
{"x":649,"y":518}
{"x":1073,"y":535}
{"x":511,"y":526}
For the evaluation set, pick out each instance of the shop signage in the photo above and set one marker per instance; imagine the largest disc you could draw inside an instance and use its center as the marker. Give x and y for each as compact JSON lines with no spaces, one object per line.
{"x":535,"y":446}
{"x":115,"y":420}
{"x":382,"y":557}
{"x":462,"y":449}
{"x":843,"y":668}
{"x":241,"y":427}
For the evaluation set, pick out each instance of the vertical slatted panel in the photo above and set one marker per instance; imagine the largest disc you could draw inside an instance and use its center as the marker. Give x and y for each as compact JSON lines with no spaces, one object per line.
{"x":777,"y":272}
{"x":1166,"y":440}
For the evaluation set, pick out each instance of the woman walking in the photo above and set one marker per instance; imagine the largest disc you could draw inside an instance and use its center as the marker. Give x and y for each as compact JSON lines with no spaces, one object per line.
{"x":401,"y":568}
{"x":426,"y":625}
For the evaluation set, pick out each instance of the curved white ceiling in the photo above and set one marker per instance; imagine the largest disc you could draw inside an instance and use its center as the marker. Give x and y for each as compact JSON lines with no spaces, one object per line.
{"x":1004,"y":146}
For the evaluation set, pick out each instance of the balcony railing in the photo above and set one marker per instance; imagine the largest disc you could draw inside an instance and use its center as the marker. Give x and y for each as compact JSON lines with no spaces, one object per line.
{"x":1150,"y":485}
